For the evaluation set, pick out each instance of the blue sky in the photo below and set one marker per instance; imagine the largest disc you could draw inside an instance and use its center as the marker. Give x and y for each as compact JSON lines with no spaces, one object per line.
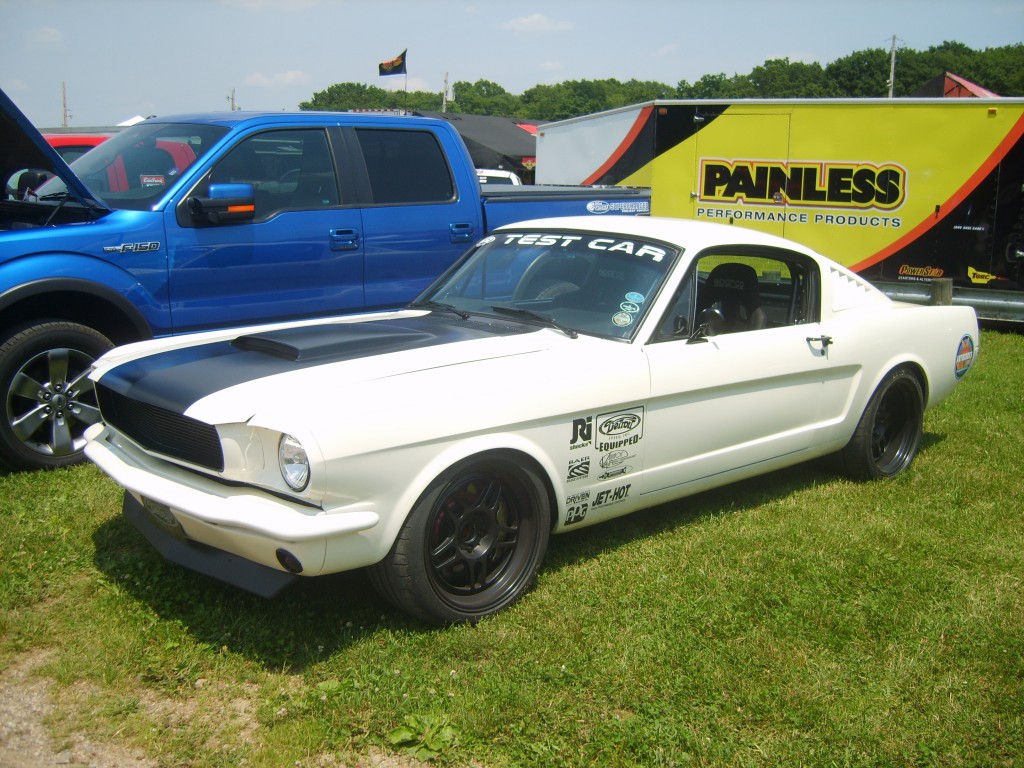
{"x":120,"y":58}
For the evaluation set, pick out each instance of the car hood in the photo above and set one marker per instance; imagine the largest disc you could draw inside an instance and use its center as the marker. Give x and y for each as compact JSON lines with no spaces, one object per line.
{"x":309,"y":367}
{"x":23,"y":146}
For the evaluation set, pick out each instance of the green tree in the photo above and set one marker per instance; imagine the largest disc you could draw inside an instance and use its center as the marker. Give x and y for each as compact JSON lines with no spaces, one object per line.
{"x":484,"y":98}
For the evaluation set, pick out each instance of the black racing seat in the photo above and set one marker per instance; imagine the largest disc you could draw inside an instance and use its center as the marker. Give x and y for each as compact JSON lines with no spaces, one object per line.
{"x":732,"y":289}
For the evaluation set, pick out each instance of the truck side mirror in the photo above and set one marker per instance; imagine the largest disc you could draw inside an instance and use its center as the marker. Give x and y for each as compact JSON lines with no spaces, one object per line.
{"x":226,"y":203}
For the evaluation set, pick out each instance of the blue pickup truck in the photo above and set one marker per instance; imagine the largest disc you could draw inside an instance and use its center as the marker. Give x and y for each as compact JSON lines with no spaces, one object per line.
{"x":198,"y":221}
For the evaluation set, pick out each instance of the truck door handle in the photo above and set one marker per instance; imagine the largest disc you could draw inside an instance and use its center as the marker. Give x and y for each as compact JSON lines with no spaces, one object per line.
{"x":461,"y":233}
{"x":344,"y":239}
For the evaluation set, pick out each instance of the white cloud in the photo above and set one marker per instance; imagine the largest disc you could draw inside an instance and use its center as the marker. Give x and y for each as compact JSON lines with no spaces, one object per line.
{"x":45,"y":36}
{"x":279,"y":80}
{"x":537,"y":23}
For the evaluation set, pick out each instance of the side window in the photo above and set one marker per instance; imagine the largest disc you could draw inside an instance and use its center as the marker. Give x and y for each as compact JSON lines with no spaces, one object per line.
{"x":754,"y":289}
{"x":289,"y":170}
{"x":405,"y":167}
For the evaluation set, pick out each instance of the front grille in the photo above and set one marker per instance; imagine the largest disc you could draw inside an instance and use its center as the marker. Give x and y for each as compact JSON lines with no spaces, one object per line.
{"x":162,"y":431}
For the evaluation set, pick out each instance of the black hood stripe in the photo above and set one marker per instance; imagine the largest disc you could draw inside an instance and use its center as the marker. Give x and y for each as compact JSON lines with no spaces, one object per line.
{"x":176,"y":379}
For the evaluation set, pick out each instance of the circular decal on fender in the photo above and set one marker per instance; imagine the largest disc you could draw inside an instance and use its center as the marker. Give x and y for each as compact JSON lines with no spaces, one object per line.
{"x":622,"y":319}
{"x":964,"y":357}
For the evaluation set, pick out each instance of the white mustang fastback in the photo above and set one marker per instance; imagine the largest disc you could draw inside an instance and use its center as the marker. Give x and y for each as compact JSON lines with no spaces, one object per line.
{"x":563,"y":373}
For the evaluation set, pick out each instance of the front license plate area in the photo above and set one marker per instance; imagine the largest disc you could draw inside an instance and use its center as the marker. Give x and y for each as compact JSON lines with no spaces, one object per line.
{"x":161,"y":516}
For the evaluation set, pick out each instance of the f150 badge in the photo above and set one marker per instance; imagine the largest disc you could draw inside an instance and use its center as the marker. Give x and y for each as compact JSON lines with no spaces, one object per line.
{"x":132,"y":248}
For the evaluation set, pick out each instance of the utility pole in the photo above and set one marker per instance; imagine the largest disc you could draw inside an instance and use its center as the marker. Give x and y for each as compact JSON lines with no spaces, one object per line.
{"x":444,"y":94}
{"x":231,"y":101}
{"x":892,"y":66}
{"x":64,"y":102}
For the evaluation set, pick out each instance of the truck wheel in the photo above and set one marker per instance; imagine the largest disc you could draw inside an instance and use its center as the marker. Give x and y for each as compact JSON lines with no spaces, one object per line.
{"x":472,"y":544}
{"x":889,"y":433}
{"x":48,"y":399}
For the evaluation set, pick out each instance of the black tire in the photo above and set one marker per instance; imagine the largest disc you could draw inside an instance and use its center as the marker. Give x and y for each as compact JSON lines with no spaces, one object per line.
{"x":471,"y":546}
{"x":48,"y":400}
{"x":889,"y":432}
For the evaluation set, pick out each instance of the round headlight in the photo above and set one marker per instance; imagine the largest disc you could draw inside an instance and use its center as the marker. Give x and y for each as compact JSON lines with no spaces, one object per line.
{"x":294,"y":463}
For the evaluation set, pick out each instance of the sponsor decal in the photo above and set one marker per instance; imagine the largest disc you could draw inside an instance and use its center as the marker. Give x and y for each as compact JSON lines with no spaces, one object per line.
{"x":576,"y":507}
{"x":614,"y":464}
{"x":611,"y":496}
{"x":979,"y":277}
{"x":582,"y":433}
{"x":152,"y":180}
{"x":921,"y":272}
{"x":619,"y":206}
{"x":964,"y":357}
{"x":636,"y":298}
{"x":620,"y":429}
{"x":132,"y":247}
{"x":629,"y":306}
{"x":818,"y":184}
{"x":579,"y":469}
{"x":622,"y":319}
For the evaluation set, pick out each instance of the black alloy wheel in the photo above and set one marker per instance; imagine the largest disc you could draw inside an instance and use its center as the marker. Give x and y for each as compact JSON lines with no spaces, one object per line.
{"x":471,"y":546}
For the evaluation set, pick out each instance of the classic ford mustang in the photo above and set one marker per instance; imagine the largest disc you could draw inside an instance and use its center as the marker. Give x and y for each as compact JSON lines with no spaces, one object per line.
{"x":563,"y":373}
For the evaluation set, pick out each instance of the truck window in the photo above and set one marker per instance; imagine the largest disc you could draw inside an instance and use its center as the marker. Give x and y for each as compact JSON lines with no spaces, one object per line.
{"x":289,"y":170}
{"x":405,"y":167}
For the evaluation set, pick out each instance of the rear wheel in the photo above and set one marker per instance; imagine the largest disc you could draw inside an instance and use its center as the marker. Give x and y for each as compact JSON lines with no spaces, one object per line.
{"x":48,"y":398}
{"x":472,"y":544}
{"x":889,"y":432}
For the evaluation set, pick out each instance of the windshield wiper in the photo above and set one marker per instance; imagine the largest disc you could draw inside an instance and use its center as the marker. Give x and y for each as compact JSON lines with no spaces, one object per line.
{"x":439,"y":306}
{"x":545,"y":319}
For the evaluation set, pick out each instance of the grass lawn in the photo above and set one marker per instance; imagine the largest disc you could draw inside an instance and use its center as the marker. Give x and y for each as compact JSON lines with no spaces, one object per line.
{"x":795,"y":619}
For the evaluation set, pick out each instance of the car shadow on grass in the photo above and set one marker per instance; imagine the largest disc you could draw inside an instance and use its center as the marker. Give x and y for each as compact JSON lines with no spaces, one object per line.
{"x":314,"y":618}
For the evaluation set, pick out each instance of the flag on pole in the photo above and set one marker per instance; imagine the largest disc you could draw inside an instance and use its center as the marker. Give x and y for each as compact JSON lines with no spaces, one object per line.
{"x":395,"y":66}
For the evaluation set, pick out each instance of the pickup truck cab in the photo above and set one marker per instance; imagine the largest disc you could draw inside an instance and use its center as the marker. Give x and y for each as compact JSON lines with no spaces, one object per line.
{"x":202,"y":221}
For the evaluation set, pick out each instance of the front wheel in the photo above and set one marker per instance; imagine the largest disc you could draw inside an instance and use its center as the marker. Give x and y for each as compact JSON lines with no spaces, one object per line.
{"x":472,"y":544}
{"x":889,"y":432}
{"x":48,"y":398}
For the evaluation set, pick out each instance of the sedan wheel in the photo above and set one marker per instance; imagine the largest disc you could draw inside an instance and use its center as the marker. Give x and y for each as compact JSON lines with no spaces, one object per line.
{"x":49,"y":400}
{"x":889,"y":432}
{"x":471,"y":546}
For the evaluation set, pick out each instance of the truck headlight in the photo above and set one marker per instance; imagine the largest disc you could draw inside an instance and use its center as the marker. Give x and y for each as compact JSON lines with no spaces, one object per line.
{"x":293,"y":462}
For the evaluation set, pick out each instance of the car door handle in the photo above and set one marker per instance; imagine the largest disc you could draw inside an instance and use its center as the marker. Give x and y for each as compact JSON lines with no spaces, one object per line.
{"x":461,"y":233}
{"x":824,"y":340}
{"x":344,"y":239}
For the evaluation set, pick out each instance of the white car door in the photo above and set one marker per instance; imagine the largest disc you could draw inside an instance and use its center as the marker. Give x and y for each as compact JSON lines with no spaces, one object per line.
{"x":745,"y":399}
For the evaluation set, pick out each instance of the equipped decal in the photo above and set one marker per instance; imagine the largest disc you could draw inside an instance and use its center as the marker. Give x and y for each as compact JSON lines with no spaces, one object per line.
{"x":964,"y":357}
{"x":619,"y":429}
{"x":622,"y":319}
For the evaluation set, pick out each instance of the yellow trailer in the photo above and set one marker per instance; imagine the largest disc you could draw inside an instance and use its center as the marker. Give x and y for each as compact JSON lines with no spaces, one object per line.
{"x":901,"y":190}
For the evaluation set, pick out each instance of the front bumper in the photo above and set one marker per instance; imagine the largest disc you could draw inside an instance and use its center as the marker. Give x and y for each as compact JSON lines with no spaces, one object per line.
{"x":247,"y":526}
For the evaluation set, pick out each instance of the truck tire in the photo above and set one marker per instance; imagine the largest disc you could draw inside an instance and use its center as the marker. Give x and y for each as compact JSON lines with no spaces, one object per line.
{"x":48,"y":401}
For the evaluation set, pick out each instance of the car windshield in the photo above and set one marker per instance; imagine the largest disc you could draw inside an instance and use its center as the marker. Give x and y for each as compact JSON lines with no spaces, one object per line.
{"x":600,"y":284}
{"x":133,"y":169}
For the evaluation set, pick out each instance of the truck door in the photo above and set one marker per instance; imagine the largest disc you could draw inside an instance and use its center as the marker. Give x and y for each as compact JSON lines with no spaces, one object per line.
{"x":300,"y":256}
{"x":740,"y":168}
{"x":417,"y":220}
